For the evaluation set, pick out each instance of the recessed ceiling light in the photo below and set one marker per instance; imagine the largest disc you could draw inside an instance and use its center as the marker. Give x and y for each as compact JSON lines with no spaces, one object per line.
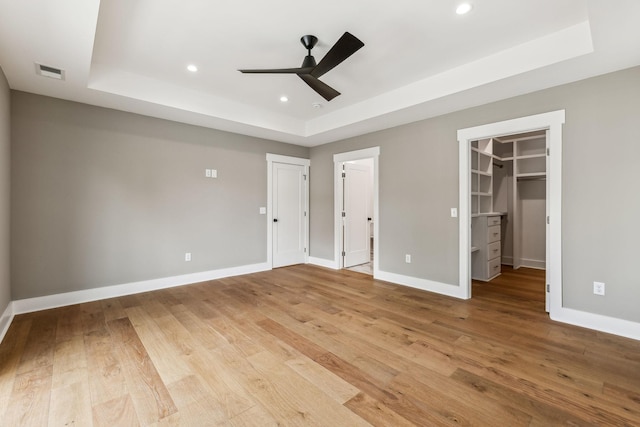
{"x":463,"y":8}
{"x":192,"y":68}
{"x":283,"y":99}
{"x":316,"y":105}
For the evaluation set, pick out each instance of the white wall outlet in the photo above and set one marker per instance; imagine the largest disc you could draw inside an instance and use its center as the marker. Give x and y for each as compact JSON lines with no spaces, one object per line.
{"x":598,"y":288}
{"x":214,"y":173}
{"x":187,"y":256}
{"x":207,"y":173}
{"x":407,"y":259}
{"x":454,"y":212}
{"x":263,"y":211}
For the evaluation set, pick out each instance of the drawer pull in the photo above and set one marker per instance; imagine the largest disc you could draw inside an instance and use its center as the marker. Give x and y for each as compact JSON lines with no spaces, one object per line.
{"x":495,"y":266}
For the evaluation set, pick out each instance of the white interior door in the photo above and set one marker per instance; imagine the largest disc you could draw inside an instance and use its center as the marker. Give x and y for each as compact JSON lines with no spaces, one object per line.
{"x":288,"y":211}
{"x":357,"y":240}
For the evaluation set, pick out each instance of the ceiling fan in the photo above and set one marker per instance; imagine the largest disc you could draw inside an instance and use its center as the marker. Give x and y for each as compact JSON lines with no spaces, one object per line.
{"x":309,"y":71}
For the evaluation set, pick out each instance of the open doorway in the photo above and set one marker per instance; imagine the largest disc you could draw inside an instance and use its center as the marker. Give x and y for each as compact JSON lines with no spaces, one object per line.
{"x":551,"y":123}
{"x":356,"y":210}
{"x":508,"y":213}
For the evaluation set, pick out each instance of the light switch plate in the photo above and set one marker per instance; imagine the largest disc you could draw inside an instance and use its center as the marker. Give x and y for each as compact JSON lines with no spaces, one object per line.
{"x":454,"y":212}
{"x":598,"y":288}
{"x":263,"y":211}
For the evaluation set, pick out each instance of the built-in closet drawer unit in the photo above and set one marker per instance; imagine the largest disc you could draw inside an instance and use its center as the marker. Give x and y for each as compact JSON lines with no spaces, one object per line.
{"x":486,"y":237}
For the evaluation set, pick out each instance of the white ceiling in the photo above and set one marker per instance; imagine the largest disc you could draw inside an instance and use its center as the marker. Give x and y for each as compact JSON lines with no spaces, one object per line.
{"x":420,"y":59}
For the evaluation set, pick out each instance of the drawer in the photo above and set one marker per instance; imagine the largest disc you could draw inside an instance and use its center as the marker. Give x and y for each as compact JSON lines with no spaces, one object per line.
{"x":493,"y":234}
{"x":493,"y":220}
{"x":494,"y":268}
{"x":493,"y":250}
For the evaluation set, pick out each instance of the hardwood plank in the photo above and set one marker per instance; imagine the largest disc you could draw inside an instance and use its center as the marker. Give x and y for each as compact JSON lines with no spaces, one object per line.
{"x":148,"y":393}
{"x":11,"y":350}
{"x":29,"y":404}
{"x":106,"y":379}
{"x":332,"y":385}
{"x":376,"y":412}
{"x":116,"y":412}
{"x":300,"y":399}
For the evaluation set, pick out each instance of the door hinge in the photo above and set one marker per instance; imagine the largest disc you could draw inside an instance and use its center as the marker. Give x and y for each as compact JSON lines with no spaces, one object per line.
{"x":547,"y":219}
{"x":548,"y":151}
{"x":305,"y":177}
{"x":305,"y":213}
{"x":305,"y":250}
{"x":344,"y":253}
{"x":344,"y":175}
{"x":344,"y":214}
{"x":548,"y":288}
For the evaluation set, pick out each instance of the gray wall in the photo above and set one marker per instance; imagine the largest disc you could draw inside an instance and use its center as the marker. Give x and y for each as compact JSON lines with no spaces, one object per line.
{"x":418,"y":173}
{"x":103,"y":197}
{"x":5,"y":158}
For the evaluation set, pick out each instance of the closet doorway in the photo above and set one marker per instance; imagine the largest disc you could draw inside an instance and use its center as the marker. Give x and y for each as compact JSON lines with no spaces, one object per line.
{"x":476,"y":197}
{"x":509,"y":205}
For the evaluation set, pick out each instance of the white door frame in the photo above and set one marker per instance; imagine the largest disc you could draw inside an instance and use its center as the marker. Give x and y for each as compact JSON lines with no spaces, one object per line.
{"x":338,"y":159}
{"x":553,"y":122}
{"x":276,"y":158}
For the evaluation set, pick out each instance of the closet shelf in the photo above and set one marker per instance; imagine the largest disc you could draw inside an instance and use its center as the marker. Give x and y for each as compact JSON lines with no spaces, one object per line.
{"x":530,"y":156}
{"x":531,"y":175}
{"x":480,"y":172}
{"x":477,"y":193}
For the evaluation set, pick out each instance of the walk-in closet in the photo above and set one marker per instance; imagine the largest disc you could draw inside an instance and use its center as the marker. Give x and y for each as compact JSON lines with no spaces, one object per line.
{"x":508,"y":203}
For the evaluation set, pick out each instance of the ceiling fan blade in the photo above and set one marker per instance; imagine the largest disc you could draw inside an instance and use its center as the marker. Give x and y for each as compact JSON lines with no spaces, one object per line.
{"x":346,"y":46}
{"x":305,"y":70}
{"x":323,"y":89}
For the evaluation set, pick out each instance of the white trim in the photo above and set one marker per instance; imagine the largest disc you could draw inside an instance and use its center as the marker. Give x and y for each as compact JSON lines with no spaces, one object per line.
{"x":533,"y":263}
{"x":552,"y":121}
{"x":598,"y":322}
{"x":288,"y":159}
{"x":277,"y":158}
{"x":5,"y":320}
{"x":422,"y":284}
{"x":322,"y":262}
{"x":69,"y":298}
{"x":338,"y":159}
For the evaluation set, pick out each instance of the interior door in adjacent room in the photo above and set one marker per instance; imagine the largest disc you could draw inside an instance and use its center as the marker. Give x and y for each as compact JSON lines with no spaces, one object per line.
{"x":288,"y":214}
{"x":357,"y":238}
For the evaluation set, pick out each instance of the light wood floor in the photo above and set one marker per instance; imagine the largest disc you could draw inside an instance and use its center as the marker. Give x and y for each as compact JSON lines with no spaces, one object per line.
{"x":309,"y":346}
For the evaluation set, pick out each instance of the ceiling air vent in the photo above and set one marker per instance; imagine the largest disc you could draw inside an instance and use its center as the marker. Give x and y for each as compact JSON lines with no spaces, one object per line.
{"x":47,"y":71}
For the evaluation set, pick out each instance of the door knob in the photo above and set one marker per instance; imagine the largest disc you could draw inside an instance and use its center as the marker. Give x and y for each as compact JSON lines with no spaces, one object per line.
{"x":275,"y":219}
{"x":368,"y":219}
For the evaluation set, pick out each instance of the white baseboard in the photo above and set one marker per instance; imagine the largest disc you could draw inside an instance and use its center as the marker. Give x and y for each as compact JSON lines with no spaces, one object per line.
{"x":529,"y":263}
{"x":69,"y":298}
{"x":5,"y":320}
{"x":598,"y":322}
{"x":423,"y":284}
{"x":328,"y":263}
